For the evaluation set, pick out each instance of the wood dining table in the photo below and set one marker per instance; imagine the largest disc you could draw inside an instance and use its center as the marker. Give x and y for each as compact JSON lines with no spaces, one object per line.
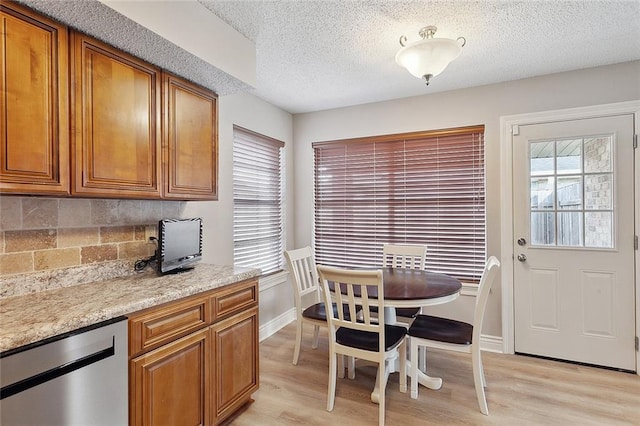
{"x":405,"y":288}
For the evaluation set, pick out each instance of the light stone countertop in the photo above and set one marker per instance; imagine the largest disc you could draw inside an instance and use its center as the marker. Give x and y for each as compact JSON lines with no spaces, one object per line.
{"x":30,"y":318}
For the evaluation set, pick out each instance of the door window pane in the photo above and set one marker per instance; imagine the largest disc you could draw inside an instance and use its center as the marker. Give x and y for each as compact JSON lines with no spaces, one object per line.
{"x":597,"y":155}
{"x":569,"y":157}
{"x":598,"y":232}
{"x":542,"y":158}
{"x":598,"y":191}
{"x":543,"y":228}
{"x":570,"y":193}
{"x":570,"y":229}
{"x":542,"y":193}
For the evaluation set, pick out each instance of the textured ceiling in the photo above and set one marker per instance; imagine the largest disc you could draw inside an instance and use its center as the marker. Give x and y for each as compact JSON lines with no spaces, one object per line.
{"x":314,"y":55}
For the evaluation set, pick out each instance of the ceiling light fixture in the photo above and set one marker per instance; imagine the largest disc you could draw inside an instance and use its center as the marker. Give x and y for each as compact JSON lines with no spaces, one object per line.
{"x":429,"y":56}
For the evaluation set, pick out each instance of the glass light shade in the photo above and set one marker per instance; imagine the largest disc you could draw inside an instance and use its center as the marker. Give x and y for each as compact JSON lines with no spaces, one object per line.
{"x":429,"y":56}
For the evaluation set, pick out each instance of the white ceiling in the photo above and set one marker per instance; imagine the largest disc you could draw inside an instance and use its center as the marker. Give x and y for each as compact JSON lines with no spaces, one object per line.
{"x":315,"y":55}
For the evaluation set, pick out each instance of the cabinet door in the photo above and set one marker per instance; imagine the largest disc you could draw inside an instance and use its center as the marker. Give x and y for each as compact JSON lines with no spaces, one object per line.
{"x":190,"y":140}
{"x":169,"y":386}
{"x":34,"y":140}
{"x":116,"y":99}
{"x":234,"y":363}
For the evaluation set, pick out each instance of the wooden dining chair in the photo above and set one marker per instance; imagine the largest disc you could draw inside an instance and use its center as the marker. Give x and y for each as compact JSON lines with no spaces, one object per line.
{"x":448,"y":334}
{"x":408,"y":256}
{"x":361,"y":336}
{"x":309,"y":303}
{"x":307,"y":298}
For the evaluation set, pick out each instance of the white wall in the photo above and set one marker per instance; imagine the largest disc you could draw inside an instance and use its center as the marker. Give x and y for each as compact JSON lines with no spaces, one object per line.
{"x":254,"y":114}
{"x":481,"y":105}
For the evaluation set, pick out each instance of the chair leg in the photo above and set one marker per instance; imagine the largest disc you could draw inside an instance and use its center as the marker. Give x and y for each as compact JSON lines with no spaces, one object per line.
{"x":296,"y":351}
{"x":316,"y":330}
{"x":381,"y":402}
{"x":477,"y":380}
{"x":331,"y":392}
{"x":414,"y":366}
{"x":403,"y":366}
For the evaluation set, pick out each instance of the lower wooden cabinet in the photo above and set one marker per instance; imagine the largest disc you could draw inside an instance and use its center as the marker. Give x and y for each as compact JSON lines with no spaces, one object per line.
{"x":234,"y":354}
{"x":202,"y":378}
{"x":170,"y":385}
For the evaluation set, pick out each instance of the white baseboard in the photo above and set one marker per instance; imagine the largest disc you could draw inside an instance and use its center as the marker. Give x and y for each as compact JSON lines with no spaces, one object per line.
{"x":491,"y":343}
{"x":273,"y":326}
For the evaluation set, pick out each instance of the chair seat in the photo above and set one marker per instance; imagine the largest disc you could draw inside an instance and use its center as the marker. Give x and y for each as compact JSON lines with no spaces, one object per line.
{"x":393,"y":334}
{"x":407,"y":312}
{"x":402,"y":312}
{"x":318,"y":312}
{"x":441,"y":330}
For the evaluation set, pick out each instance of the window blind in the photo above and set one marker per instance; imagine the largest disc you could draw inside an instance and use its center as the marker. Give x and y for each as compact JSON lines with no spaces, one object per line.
{"x":257,"y":201}
{"x":414,"y":188}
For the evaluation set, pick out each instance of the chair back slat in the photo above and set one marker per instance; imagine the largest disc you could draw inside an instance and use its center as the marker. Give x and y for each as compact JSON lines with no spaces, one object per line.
{"x":407,"y":256}
{"x":302,"y":266}
{"x":353,"y":288}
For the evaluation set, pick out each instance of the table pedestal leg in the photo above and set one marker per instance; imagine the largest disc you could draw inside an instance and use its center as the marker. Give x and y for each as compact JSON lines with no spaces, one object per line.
{"x":434,"y":383}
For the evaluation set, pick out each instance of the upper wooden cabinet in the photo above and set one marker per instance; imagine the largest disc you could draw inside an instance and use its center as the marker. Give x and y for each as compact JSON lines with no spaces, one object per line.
{"x":81,"y":118}
{"x":34,"y":123}
{"x":115,"y":145}
{"x":190,"y":140}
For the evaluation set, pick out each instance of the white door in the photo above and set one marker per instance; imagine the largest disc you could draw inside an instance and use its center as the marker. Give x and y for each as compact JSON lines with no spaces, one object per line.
{"x":574,"y":241}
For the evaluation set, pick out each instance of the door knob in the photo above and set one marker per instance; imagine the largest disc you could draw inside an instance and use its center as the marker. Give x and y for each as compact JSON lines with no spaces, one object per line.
{"x":522,"y":241}
{"x":522,"y":257}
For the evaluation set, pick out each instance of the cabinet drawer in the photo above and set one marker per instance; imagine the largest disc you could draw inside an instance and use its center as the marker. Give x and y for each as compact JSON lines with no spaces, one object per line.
{"x":234,"y":299}
{"x":157,"y":326}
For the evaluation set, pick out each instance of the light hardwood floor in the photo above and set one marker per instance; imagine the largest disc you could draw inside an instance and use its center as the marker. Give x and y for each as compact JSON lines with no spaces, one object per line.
{"x":521,"y":391}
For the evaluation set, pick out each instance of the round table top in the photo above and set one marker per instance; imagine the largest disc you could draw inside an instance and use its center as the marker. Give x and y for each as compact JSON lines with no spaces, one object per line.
{"x":415,"y":287}
{"x":416,"y":284}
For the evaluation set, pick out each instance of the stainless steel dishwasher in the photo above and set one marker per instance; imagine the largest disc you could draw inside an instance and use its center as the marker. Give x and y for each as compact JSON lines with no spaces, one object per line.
{"x":78,"y":378}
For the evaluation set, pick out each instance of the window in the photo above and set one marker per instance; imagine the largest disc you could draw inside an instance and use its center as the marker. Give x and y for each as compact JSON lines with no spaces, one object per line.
{"x":415,"y":188}
{"x":257,"y":201}
{"x":571,"y":192}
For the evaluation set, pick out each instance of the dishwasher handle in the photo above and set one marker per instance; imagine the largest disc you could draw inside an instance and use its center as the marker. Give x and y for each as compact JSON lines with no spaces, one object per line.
{"x":56,"y":372}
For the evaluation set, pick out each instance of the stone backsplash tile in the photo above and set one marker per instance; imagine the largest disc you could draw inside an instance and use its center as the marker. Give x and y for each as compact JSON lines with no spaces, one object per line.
{"x":39,"y":213}
{"x":116,"y":234}
{"x":16,"y":263}
{"x":151,"y":211}
{"x":95,"y":254}
{"x":135,"y":249}
{"x":104,"y":212}
{"x":10,"y":213}
{"x":74,"y":213}
{"x":55,"y":259}
{"x":74,"y":237}
{"x":38,"y":239}
{"x":140,"y":233}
